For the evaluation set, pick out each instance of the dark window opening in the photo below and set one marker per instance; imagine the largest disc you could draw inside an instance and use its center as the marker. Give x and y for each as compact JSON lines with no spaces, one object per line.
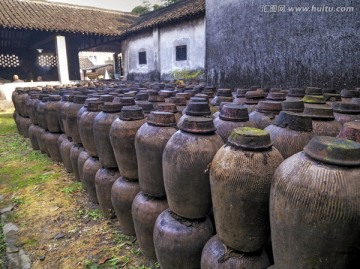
{"x":181,"y":53}
{"x":142,"y":57}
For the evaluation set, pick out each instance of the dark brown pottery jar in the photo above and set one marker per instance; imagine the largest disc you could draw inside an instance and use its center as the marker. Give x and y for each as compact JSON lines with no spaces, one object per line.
{"x":345,"y":112}
{"x":293,"y":106}
{"x":240,"y":189}
{"x":65,"y":148}
{"x":186,"y":160}
{"x":216,"y":255}
{"x":295,"y":94}
{"x":50,"y":140}
{"x":323,"y":120}
{"x":86,"y":124}
{"x":33,"y":129}
{"x":40,"y":112}
{"x":90,"y":168}
{"x":31,"y":106}
{"x":123,"y":192}
{"x":314,"y":206}
{"x":104,"y":179}
{"x":198,"y":109}
{"x":122,"y":138}
{"x":290,"y":133}
{"x":346,"y":95}
{"x":350,"y":131}
{"x":24,"y":125}
{"x":75,"y":151}
{"x":102,"y":124}
{"x":50,"y":111}
{"x":150,"y":142}
{"x":168,"y":107}
{"x":179,"y":241}
{"x":71,"y":117}
{"x":145,"y":210}
{"x":231,"y":116}
{"x":67,"y":100}
{"x":265,"y":113}
{"x":83,"y":156}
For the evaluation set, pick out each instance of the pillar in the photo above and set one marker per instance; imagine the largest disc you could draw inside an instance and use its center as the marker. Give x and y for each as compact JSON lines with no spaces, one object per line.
{"x":63,"y":68}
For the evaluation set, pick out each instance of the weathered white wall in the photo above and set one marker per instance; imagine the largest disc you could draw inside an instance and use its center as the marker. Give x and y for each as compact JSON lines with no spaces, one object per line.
{"x":190,"y":33}
{"x":160,"y":46}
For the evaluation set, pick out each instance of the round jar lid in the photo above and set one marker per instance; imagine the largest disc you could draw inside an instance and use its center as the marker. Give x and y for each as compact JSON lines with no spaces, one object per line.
{"x":90,"y":99}
{"x":349,"y":93}
{"x":333,"y":150}
{"x":232,"y":112}
{"x":198,"y":109}
{"x":294,"y":121}
{"x":314,"y":99}
{"x":294,"y":106}
{"x":141,"y":96}
{"x":146,"y":106}
{"x":80,"y":99}
{"x":179,"y":101}
{"x":319,"y":112}
{"x":166,"y":93}
{"x":241,"y":92}
{"x":276,"y":96}
{"x":250,"y":138}
{"x":217,"y":100}
{"x":156,"y":98}
{"x":54,"y":98}
{"x":328,"y":90}
{"x":161,"y":119}
{"x":183,"y":94}
{"x":199,"y":99}
{"x":313,"y":91}
{"x":127,"y":101}
{"x":269,"y":107}
{"x":346,"y":108}
{"x":197,"y":125}
{"x":166,"y":107}
{"x":110,"y":107}
{"x":95,"y":106}
{"x":106,"y":98}
{"x":296,"y":92}
{"x":130,"y":113}
{"x":224,"y":92}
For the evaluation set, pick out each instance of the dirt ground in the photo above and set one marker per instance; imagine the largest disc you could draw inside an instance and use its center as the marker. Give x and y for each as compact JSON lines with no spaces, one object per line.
{"x":59,"y":226}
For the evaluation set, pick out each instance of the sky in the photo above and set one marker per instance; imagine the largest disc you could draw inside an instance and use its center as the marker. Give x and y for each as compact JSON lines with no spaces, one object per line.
{"x":122,"y":5}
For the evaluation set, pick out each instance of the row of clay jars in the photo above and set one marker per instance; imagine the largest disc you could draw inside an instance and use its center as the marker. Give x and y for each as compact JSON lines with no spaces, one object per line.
{"x":314,"y":206}
{"x":240,"y":178}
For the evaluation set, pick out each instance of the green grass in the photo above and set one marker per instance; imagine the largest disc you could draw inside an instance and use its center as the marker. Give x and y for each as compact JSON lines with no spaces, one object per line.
{"x":2,"y":248}
{"x":72,"y":188}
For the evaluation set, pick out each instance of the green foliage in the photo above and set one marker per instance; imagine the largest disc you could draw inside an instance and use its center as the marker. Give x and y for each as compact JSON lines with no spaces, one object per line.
{"x":2,"y":248}
{"x":139,"y":10}
{"x":95,"y":214}
{"x":188,"y":74}
{"x":146,"y":7}
{"x":72,"y":188}
{"x":169,"y":2}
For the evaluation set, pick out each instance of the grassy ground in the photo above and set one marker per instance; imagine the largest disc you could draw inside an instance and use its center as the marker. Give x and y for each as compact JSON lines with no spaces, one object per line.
{"x":59,"y":226}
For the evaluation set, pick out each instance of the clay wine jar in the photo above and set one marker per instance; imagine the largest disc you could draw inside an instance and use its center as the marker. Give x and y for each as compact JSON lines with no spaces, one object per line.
{"x":123,"y":192}
{"x":122,"y":138}
{"x":216,"y":255}
{"x":71,"y":117}
{"x":86,"y":123}
{"x":40,"y":112}
{"x":186,"y":158}
{"x":314,"y":206}
{"x":102,"y":124}
{"x":65,"y":148}
{"x":32,"y":136}
{"x":345,"y":112}
{"x":83,"y":156}
{"x":179,"y":241}
{"x":75,"y":151}
{"x":350,"y":131}
{"x":90,"y":168}
{"x":67,"y":101}
{"x":50,"y":140}
{"x":265,"y":113}
{"x":150,"y":142}
{"x":231,"y":116}
{"x":145,"y":210}
{"x":104,"y":179}
{"x":240,"y":180}
{"x":50,"y":112}
{"x":290,"y":132}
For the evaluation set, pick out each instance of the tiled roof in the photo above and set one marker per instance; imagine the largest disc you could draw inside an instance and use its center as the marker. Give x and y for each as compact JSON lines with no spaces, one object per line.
{"x":85,"y":62}
{"x":48,"y":16}
{"x":179,"y":11}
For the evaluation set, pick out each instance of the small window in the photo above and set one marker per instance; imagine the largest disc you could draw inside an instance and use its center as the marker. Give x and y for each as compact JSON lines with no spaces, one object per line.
{"x":142,"y":57}
{"x":181,"y":53}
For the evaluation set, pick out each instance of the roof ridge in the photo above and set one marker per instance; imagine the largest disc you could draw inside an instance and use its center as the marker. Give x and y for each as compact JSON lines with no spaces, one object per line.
{"x":77,"y":6}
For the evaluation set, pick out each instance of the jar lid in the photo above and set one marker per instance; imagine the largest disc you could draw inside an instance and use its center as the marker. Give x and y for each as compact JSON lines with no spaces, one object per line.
{"x":127,"y":101}
{"x":202,"y":95}
{"x":141,"y":96}
{"x":248,"y":138}
{"x":80,"y":99}
{"x":269,"y":107}
{"x":294,"y":106}
{"x":328,"y":90}
{"x":224,"y":92}
{"x":183,"y":94}
{"x":191,"y":92}
{"x":351,"y":131}
{"x":197,"y":125}
{"x":314,"y":99}
{"x":156,"y":98}
{"x":95,"y":106}
{"x":166,"y":93}
{"x":167,"y":107}
{"x":54,"y":98}
{"x":90,"y":99}
{"x":296,"y":92}
{"x":313,"y":91}
{"x":198,"y":109}
{"x":346,"y":108}
{"x":294,"y":121}
{"x":161,"y":119}
{"x":179,"y":101}
{"x":333,"y":150}
{"x":152,"y":92}
{"x":280,"y":96}
{"x":34,"y":96}
{"x":146,"y":106}
{"x":110,"y":107}
{"x":241,"y":92}
{"x":106,"y":98}
{"x":255,"y":94}
{"x":319,"y":112}
{"x":68,"y":98}
{"x":199,"y":99}
{"x":131,"y":113}
{"x":219,"y":99}
{"x":131,"y":94}
{"x":233,"y":112}
{"x":349,"y":93}
{"x":255,"y":87}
